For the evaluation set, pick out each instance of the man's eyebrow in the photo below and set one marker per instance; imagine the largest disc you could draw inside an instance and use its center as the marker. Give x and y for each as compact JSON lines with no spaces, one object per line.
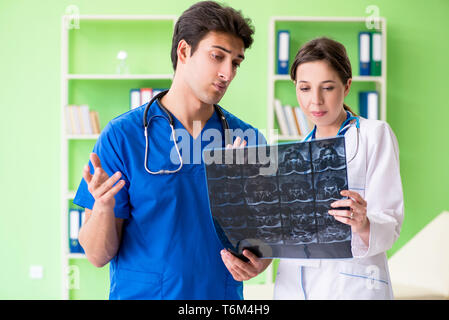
{"x":228,"y":51}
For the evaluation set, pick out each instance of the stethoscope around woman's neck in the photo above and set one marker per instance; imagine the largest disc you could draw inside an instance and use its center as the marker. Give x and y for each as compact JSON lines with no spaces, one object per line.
{"x":341,"y":132}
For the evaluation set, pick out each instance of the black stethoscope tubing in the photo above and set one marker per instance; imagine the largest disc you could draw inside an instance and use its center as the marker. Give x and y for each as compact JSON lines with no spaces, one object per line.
{"x":159,"y":96}
{"x":146,"y":123}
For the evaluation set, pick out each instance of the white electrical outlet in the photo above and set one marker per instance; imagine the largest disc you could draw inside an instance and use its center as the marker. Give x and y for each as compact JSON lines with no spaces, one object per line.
{"x":36,"y":272}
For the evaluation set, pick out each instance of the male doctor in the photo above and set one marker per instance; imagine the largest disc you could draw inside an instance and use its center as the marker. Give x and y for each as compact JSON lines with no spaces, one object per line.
{"x":156,"y":230}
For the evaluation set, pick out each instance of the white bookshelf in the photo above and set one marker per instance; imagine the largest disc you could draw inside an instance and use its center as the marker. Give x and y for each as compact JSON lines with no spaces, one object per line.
{"x":119,"y":77}
{"x":76,"y":256}
{"x":379,"y":81}
{"x":82,"y":136}
{"x":67,"y":195}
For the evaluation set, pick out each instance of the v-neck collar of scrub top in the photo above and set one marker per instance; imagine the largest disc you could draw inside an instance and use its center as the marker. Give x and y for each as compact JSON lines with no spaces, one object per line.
{"x":161,"y":154}
{"x":178,"y":124}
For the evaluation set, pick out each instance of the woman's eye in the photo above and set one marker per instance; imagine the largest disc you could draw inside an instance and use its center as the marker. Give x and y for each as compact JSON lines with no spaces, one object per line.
{"x":304,"y":89}
{"x":328,"y":88}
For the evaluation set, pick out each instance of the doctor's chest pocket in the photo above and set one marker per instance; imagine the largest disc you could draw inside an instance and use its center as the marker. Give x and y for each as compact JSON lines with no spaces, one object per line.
{"x":362,"y":282}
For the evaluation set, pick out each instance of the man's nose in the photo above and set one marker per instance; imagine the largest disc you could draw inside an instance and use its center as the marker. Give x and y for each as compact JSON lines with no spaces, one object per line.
{"x":223,"y":76}
{"x":225,"y":72}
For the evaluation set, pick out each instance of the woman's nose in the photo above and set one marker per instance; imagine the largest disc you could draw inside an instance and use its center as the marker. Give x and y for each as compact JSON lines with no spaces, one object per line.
{"x":317,"y":98}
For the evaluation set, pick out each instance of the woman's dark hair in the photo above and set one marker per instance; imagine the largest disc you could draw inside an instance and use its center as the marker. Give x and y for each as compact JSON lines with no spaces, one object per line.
{"x":325,"y":49}
{"x":206,"y":16}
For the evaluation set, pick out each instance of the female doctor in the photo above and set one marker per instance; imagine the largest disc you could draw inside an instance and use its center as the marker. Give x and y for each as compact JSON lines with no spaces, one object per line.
{"x":322,"y":75}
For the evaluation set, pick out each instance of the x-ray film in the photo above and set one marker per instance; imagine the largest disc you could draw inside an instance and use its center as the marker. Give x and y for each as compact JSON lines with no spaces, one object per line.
{"x":274,"y":200}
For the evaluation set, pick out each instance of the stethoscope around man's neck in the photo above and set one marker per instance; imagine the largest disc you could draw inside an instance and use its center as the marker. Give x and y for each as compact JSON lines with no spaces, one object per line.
{"x":171,"y":121}
{"x":341,"y":132}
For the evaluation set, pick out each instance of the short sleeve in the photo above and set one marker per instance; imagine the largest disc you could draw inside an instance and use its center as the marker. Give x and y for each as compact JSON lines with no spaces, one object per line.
{"x":109,"y":152}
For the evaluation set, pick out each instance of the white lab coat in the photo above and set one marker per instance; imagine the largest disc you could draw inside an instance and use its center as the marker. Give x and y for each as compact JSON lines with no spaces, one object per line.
{"x":374,"y":174}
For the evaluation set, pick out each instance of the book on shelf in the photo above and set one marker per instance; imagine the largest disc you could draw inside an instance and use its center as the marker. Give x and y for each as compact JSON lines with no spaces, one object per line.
{"x":370,"y":53}
{"x":369,"y":104}
{"x":80,"y":120}
{"x":280,"y":114}
{"x":76,"y":220}
{"x":157,"y":91}
{"x":304,"y":124}
{"x":283,"y":51}
{"x":146,"y":94}
{"x":73,"y":113}
{"x":86,"y":125}
{"x":296,"y":122}
{"x":69,"y":120}
{"x":376,"y":54}
{"x":140,"y":96}
{"x":95,"y":121}
{"x":134,"y":98}
{"x":364,"y":53}
{"x":291,"y":121}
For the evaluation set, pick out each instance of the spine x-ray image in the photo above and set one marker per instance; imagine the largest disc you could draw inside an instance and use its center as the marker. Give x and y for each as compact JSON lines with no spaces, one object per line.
{"x":283,"y":214}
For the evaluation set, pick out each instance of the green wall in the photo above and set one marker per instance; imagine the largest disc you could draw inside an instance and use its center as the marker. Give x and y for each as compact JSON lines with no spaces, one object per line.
{"x":30,"y":56}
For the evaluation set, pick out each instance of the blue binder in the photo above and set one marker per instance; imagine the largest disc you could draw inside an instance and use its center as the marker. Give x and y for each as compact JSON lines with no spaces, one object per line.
{"x":363,"y":104}
{"x":283,"y":51}
{"x":74,"y":226}
{"x":365,"y":53}
{"x":369,"y":108}
{"x":81,"y":218}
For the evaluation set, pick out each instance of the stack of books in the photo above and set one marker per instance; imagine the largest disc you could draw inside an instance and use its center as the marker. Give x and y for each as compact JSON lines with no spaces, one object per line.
{"x":138,"y":97}
{"x":292,"y":121}
{"x":81,"y":120}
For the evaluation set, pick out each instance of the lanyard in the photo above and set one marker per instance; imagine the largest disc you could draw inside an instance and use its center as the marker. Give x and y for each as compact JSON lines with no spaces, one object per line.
{"x":343,"y":128}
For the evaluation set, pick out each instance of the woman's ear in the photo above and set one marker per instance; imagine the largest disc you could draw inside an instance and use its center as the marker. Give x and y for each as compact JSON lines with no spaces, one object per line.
{"x":348,"y":86}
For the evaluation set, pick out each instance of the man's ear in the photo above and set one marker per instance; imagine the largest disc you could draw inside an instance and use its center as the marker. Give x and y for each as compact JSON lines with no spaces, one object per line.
{"x":183,"y":51}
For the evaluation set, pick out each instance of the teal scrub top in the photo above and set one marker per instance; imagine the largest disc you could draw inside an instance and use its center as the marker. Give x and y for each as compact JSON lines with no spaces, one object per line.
{"x":169,"y":247}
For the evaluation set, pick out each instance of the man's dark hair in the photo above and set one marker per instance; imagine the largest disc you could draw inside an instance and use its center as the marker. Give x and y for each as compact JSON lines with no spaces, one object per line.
{"x":204,"y":17}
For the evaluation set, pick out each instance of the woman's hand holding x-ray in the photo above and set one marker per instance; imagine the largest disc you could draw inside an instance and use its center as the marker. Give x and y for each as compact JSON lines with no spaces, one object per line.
{"x":356,"y":215}
{"x":102,"y":187}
